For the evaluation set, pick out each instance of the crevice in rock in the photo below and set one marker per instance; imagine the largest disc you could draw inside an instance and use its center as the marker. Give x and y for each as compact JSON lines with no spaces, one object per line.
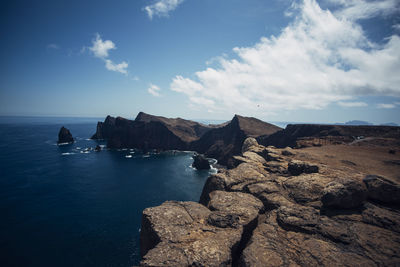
{"x":237,"y":250}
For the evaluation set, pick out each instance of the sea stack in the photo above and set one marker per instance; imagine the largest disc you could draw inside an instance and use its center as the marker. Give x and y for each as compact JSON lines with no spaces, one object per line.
{"x":64,"y":136}
{"x":200,"y":162}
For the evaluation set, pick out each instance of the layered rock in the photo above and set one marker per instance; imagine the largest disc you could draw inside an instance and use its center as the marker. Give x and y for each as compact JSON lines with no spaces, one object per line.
{"x":64,"y":136}
{"x":260,"y":213}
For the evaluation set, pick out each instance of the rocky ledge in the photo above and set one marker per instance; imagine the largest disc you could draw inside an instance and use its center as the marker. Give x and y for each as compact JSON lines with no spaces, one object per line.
{"x":276,"y":210}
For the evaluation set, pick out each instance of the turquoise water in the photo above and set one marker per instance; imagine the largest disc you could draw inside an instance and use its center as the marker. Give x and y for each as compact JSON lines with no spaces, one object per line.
{"x":71,"y":206}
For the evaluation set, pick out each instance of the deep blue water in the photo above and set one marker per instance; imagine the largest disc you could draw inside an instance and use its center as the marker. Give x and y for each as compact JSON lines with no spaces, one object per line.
{"x":62,"y":207}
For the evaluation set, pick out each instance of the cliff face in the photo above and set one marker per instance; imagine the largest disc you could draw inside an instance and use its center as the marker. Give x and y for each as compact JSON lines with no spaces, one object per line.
{"x":340,"y":133}
{"x":105,"y":129}
{"x":155,"y":132}
{"x":278,"y":208}
{"x":224,"y":142}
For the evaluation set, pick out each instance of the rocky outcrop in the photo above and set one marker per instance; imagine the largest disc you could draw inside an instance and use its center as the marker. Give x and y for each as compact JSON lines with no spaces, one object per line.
{"x":105,"y":129}
{"x":64,"y":136}
{"x":382,"y":190}
{"x":200,"y":162}
{"x":224,"y":142}
{"x":155,"y":132}
{"x":260,"y":213}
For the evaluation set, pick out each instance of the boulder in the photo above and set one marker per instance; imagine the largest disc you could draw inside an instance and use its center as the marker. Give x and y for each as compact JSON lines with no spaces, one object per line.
{"x":200,"y":162}
{"x":248,"y":143}
{"x":64,"y":136}
{"x":297,"y":167}
{"x":382,"y":190}
{"x":348,"y":195}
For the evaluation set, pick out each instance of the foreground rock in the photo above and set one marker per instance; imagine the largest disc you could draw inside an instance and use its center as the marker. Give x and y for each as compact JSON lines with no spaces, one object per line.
{"x":263,"y":214}
{"x":200,"y":162}
{"x":64,"y":136}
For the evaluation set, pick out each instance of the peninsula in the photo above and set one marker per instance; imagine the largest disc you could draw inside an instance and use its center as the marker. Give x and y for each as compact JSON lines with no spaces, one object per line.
{"x":306,"y":195}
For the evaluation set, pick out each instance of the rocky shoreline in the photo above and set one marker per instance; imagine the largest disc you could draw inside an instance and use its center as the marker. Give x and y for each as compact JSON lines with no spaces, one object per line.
{"x":278,"y":208}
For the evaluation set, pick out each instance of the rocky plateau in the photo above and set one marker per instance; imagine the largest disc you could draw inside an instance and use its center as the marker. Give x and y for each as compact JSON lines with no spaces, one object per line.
{"x":279,"y":207}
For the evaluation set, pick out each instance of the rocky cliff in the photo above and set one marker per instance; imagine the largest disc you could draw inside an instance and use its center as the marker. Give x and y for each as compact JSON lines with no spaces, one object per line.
{"x":156,"y":132}
{"x":224,"y":142}
{"x":279,"y":207}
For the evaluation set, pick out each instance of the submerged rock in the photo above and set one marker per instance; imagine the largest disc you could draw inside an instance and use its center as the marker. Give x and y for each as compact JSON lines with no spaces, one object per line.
{"x":64,"y":136}
{"x":200,"y":162}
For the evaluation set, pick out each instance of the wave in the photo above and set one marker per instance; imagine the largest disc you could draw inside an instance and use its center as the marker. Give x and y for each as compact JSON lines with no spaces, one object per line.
{"x":67,"y":153}
{"x":128,"y":156}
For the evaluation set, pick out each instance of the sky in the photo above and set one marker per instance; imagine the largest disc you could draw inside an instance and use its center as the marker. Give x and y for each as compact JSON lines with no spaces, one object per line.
{"x":322,"y":61}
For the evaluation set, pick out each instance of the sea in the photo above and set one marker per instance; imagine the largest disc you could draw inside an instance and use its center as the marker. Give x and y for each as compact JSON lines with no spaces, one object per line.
{"x":69,"y":205}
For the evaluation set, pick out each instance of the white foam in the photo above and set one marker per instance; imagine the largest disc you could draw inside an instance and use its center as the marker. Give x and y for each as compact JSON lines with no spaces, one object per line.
{"x":85,"y":152}
{"x":213,"y":170}
{"x":146,"y":156}
{"x":67,"y":153}
{"x":128,"y":156}
{"x":63,"y":144}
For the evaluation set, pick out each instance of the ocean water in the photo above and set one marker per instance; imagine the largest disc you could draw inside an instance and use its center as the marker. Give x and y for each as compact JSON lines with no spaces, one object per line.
{"x":69,"y":206}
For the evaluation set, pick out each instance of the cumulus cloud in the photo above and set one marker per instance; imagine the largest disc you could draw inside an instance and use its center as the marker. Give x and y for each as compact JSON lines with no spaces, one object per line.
{"x":385,"y":106}
{"x":154,"y":90}
{"x":320,"y":58}
{"x":352,"y":104}
{"x":100,"y":49}
{"x":161,"y":8}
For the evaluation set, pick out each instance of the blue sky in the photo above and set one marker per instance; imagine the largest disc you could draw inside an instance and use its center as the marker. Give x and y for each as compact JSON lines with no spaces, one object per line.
{"x":278,"y":60}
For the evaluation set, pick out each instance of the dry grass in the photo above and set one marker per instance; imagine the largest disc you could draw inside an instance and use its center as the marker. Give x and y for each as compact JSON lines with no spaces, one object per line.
{"x":366,"y":159}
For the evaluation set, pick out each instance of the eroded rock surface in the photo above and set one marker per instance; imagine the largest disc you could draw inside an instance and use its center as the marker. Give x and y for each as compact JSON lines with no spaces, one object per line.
{"x":261,"y":213}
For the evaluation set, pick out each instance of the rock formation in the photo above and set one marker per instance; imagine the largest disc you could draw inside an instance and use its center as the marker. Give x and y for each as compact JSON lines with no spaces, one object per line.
{"x":224,"y":142}
{"x":154,"y":132}
{"x":200,"y":162}
{"x":262,"y":213}
{"x":64,"y":136}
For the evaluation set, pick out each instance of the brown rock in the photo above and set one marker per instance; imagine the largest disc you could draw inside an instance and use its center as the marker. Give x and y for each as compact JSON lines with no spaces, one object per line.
{"x":382,"y":189}
{"x":348,"y":195}
{"x":297,"y":167}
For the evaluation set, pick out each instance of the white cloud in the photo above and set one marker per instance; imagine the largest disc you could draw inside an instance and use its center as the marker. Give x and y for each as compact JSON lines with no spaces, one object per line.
{"x":317,"y":60}
{"x":154,"y":90}
{"x":162,"y":8}
{"x":364,"y":9}
{"x":101,"y":49}
{"x":352,"y":104}
{"x":121,"y":67}
{"x":386,"y":106}
{"x":53,"y":46}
